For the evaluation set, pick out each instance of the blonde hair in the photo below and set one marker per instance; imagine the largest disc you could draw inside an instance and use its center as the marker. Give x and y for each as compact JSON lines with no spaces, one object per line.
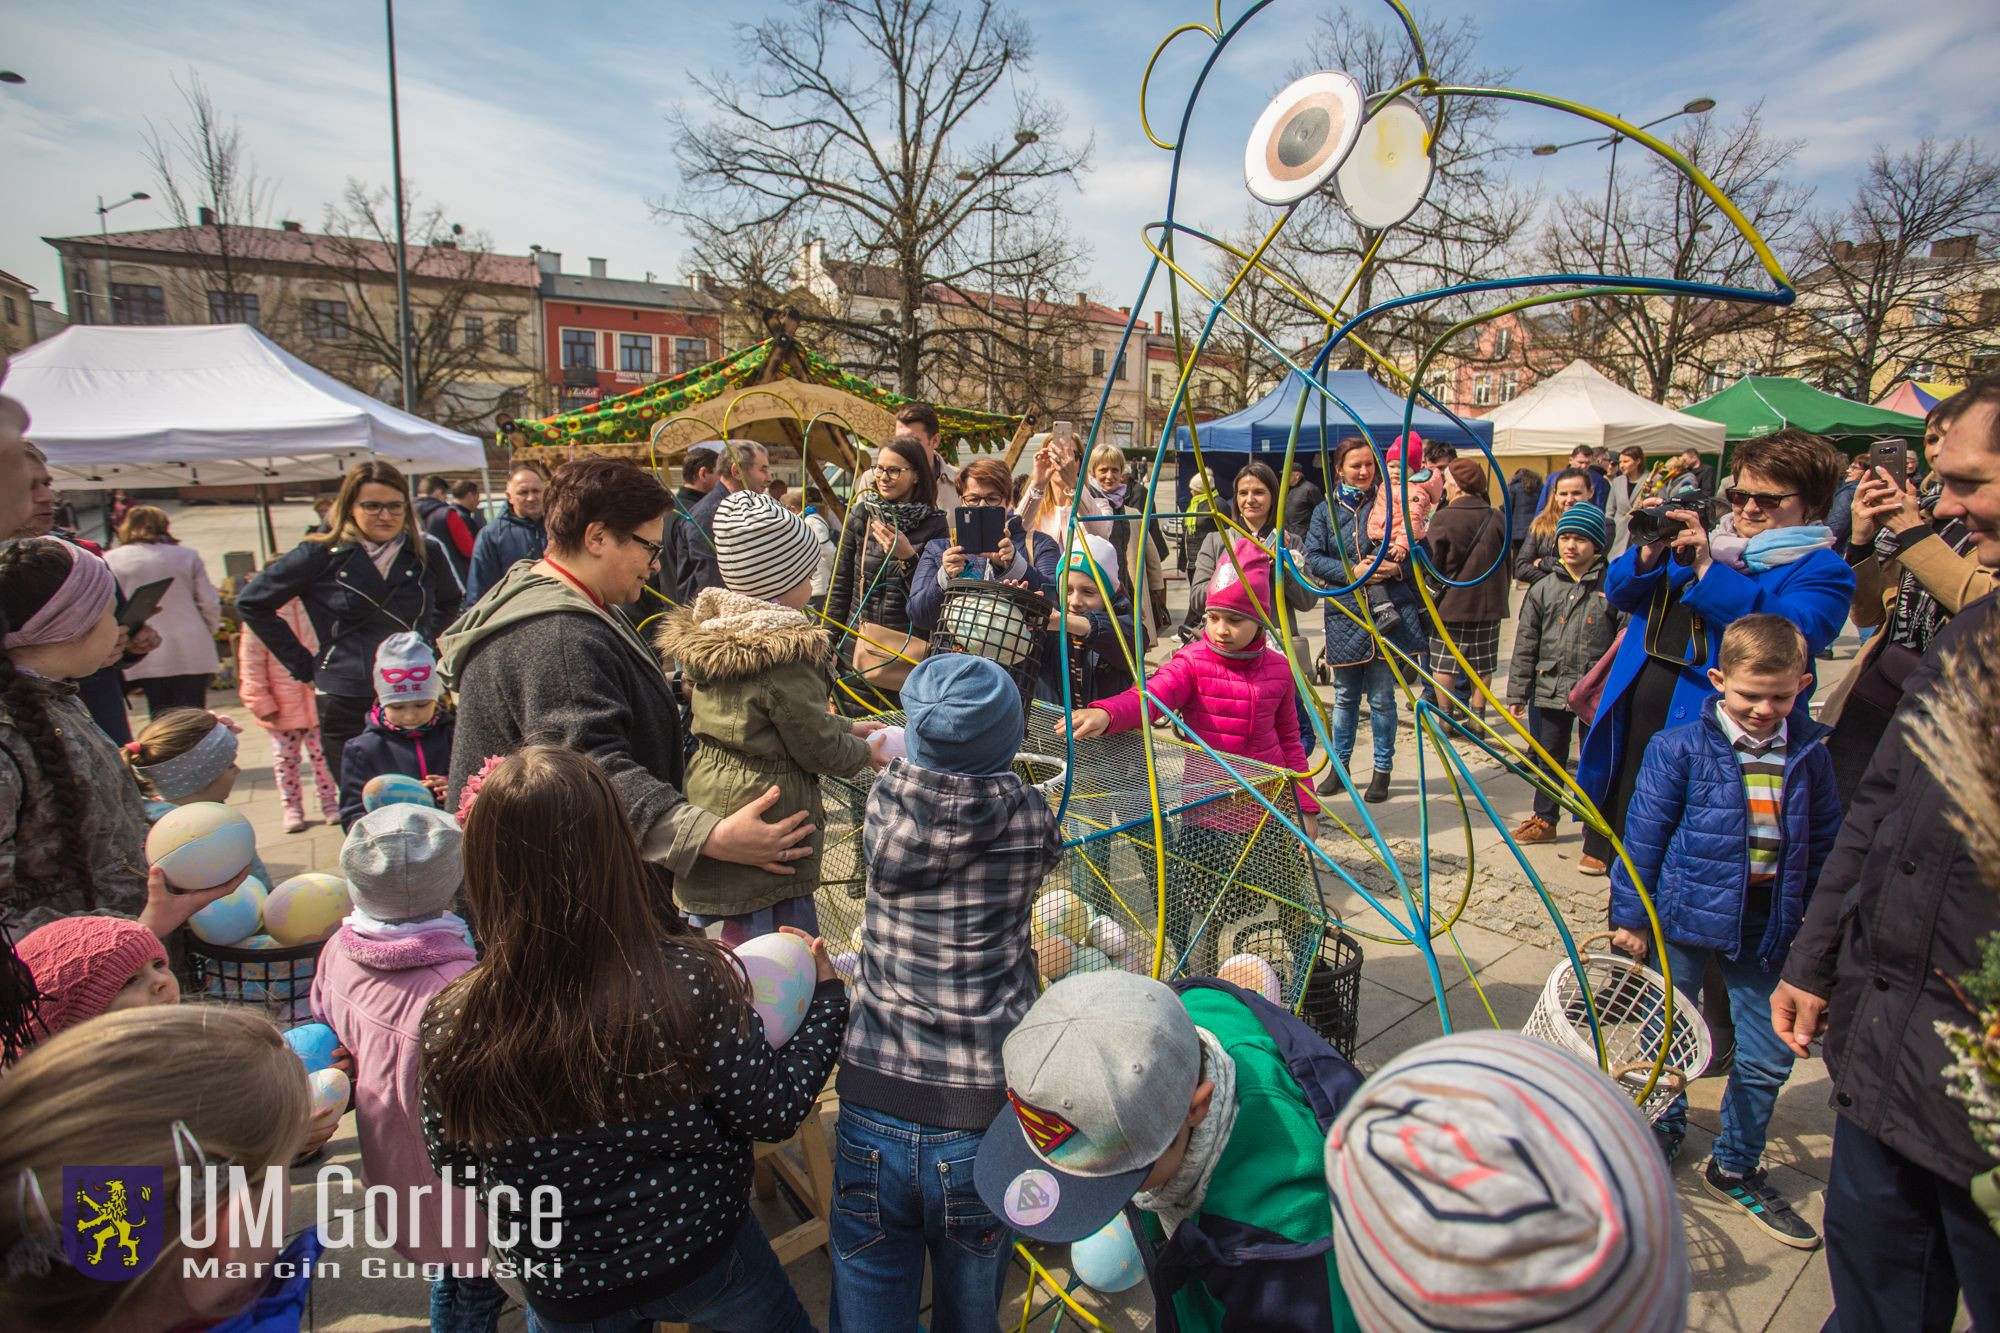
{"x":1108,"y":455}
{"x":168,"y":736}
{"x":142,"y":523}
{"x":110,"y":1090}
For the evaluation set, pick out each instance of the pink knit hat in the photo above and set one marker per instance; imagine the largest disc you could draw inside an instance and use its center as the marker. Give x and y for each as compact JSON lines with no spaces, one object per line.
{"x":1227,"y":591}
{"x":1407,"y":450}
{"x":80,"y":963}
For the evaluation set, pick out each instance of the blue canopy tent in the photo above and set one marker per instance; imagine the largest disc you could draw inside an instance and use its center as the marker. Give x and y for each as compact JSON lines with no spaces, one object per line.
{"x":1262,"y":429}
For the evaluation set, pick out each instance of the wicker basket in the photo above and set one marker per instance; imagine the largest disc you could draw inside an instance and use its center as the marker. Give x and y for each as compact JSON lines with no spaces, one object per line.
{"x":1631,"y":1001}
{"x":1043,"y":772}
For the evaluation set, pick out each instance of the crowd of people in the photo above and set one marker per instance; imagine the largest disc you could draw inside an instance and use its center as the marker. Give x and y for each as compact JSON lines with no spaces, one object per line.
{"x":622,"y":699}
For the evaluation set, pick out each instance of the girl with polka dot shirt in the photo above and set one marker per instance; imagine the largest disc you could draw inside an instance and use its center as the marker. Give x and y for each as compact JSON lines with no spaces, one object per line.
{"x":604,"y":1049}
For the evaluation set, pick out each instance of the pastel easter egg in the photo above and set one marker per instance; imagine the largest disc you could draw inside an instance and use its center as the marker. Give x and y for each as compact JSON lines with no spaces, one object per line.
{"x":233,"y":917}
{"x":1054,"y":957}
{"x":395,"y":789}
{"x":1089,"y":959}
{"x":1062,"y":913}
{"x":848,"y":965}
{"x":201,"y":845}
{"x":1108,"y":935}
{"x":307,"y":907}
{"x":1108,"y":1260}
{"x":330,"y":1088}
{"x":782,"y":975}
{"x":313,"y":1043}
{"x":1252,"y":974}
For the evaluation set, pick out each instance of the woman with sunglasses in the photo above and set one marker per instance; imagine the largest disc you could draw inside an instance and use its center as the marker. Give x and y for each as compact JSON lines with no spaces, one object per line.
{"x":867,"y":604}
{"x":1772,"y":553}
{"x":371,"y":574}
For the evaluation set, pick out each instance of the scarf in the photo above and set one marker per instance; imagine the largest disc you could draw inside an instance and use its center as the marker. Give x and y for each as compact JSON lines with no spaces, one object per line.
{"x":416,"y":734}
{"x":1181,"y":1197}
{"x":1918,"y":616}
{"x":383,"y":553}
{"x":1115,"y":497}
{"x":1768,"y":549}
{"x":1351,"y":496}
{"x":903,"y":515}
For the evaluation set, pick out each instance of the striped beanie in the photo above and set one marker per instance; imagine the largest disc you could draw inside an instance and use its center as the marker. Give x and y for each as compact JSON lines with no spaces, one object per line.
{"x":763,"y":549}
{"x":1585,"y":520}
{"x":1488,"y":1181}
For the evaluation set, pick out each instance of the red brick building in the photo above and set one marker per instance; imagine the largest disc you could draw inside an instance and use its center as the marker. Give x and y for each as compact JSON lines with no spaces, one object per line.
{"x":605,"y":336}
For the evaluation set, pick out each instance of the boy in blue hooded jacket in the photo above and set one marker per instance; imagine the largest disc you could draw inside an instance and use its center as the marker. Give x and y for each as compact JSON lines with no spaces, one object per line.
{"x":1731,"y":819}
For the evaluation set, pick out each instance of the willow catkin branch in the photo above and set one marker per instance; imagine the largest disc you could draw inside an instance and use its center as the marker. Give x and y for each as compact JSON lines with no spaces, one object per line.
{"x":1955,"y":733}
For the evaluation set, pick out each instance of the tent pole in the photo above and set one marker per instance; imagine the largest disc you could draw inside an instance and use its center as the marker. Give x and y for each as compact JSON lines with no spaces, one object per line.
{"x":267,"y":538}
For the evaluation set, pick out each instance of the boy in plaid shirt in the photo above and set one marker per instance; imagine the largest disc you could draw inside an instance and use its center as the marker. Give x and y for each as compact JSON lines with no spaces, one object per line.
{"x":956,"y":847}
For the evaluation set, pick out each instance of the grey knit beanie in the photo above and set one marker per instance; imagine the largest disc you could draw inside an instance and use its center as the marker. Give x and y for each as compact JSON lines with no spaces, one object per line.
{"x":763,"y":549}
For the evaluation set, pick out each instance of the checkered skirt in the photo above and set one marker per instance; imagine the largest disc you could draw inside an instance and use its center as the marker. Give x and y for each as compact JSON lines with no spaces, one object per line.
{"x":1478,"y":640}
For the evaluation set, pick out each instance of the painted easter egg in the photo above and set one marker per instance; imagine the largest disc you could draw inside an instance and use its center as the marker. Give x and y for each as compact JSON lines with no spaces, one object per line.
{"x":395,"y":789}
{"x":1088,"y":959}
{"x":1252,"y":974}
{"x":313,"y":1043}
{"x":1062,"y":913}
{"x":848,"y":964}
{"x":1108,"y":1260}
{"x":782,"y":975}
{"x":1108,"y":935}
{"x":235,"y":916}
{"x":330,"y":1088}
{"x":306,"y":907}
{"x":202,"y":845}
{"x":1054,"y":957}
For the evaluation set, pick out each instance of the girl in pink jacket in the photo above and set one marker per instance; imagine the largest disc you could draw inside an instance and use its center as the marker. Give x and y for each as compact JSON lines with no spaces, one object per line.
{"x":1426,"y":487}
{"x":285,"y":708}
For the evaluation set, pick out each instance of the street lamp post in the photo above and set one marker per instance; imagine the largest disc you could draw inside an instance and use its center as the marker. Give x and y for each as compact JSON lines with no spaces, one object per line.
{"x":1022,"y":139}
{"x":104,"y":238}
{"x":402,"y":241}
{"x":1694,"y":108}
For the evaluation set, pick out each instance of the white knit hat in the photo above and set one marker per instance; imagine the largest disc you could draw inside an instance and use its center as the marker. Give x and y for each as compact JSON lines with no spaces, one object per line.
{"x":763,"y":549}
{"x":406,"y":670}
{"x":1102,"y":554}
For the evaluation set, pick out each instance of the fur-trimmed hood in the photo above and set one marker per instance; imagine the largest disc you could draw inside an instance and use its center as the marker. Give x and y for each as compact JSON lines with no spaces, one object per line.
{"x":727,"y":636}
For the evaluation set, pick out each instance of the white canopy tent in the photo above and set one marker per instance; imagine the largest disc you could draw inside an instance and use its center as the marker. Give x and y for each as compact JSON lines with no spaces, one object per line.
{"x":1578,"y":405}
{"x":208,"y":405}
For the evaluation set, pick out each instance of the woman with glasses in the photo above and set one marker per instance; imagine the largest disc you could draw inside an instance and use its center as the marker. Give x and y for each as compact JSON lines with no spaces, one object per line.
{"x":867,"y":604}
{"x":371,"y":574}
{"x":1772,"y":553}
{"x":982,"y":483}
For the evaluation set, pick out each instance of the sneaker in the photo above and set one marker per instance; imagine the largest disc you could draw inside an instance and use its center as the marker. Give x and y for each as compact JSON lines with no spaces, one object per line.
{"x":1669,"y":1141}
{"x":1592,"y":865}
{"x":1378,"y":787}
{"x":1535,"y":829}
{"x":1754,"y":1195}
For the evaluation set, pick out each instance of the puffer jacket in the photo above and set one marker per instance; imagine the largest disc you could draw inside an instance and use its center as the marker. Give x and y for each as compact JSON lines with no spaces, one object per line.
{"x":383,"y":747}
{"x":1241,"y":704}
{"x":868,"y":585}
{"x":1564,"y":628}
{"x":351,"y":606}
{"x":502,"y":544}
{"x":275,"y":700}
{"x":757,"y":679}
{"x":1688,"y":834}
{"x":1334,"y":557}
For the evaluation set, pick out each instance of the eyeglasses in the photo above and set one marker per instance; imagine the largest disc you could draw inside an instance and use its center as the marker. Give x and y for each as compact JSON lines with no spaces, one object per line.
{"x":653,"y":549}
{"x":1765,"y":499}
{"x":892,"y":471}
{"x":982,"y":501}
{"x":397,"y":675}
{"x":380,"y":508}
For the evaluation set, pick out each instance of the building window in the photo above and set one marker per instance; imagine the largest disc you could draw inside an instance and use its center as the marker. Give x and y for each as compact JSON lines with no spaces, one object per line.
{"x":133,"y":304}
{"x":689,"y":353}
{"x":1502,"y":340}
{"x":1482,"y":390}
{"x":1123,"y":366}
{"x":1930,"y":312}
{"x":579,"y":349}
{"x":475,"y":330}
{"x":510,"y":336}
{"x":1097,"y":360}
{"x":13,"y":311}
{"x":635,"y":353}
{"x":325,"y":321}
{"x":1159,"y":384}
{"x":232,"y":308}
{"x":1121,"y":434}
{"x":1510,"y":385}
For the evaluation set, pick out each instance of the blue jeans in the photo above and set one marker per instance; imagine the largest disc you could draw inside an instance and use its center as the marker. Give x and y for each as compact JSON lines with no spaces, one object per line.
{"x":1763,"y":1062}
{"x":901,"y":1191}
{"x":1374,"y":679}
{"x":746,"y":1292}
{"x":465,"y":1304}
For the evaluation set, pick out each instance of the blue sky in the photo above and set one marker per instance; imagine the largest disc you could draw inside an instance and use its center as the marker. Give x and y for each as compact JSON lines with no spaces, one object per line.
{"x":546,"y":124}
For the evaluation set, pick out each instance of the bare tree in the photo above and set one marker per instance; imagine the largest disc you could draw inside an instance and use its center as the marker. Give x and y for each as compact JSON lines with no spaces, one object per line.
{"x":1890,"y":282}
{"x":1466,"y":225}
{"x":1664,"y":226}
{"x":212,"y":190}
{"x":453,"y":274}
{"x":1245,"y":365}
{"x":867,"y":124}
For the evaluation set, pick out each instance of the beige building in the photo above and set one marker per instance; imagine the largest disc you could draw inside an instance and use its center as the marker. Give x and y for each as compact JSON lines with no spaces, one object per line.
{"x":17,"y":313}
{"x":331,"y":301}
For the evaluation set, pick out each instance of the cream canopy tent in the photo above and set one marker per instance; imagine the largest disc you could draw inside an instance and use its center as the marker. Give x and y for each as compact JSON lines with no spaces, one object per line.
{"x":208,"y":405}
{"x":1578,"y":405}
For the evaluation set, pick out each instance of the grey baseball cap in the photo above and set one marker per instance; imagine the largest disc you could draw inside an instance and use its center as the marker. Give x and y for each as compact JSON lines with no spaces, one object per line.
{"x":402,"y":862}
{"x":1100,"y":1074}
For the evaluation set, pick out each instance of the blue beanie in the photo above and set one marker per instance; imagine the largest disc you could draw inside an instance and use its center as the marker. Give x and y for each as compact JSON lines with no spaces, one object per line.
{"x":964,"y":715}
{"x":1585,"y":520}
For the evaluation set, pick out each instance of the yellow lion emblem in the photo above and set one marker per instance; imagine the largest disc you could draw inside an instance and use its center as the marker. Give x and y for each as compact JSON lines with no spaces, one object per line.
{"x":112,"y":1220}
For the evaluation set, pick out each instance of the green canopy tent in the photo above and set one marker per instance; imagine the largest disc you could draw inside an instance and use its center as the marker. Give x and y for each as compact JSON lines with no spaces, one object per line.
{"x":1760,"y":404}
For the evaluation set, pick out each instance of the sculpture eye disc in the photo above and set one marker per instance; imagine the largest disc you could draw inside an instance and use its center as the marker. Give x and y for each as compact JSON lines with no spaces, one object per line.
{"x":1302,"y":137}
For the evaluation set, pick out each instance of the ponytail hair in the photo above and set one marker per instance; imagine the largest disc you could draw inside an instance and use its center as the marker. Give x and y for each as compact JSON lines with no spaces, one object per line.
{"x":168,"y":736}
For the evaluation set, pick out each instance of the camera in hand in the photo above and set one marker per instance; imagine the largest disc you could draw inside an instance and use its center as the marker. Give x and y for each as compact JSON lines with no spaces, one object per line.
{"x":1654,"y":524}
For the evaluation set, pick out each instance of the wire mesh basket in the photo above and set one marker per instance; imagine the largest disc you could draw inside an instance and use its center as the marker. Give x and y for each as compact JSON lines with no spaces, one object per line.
{"x":1331,"y":1005}
{"x":274,"y":978}
{"x":1232,"y":871}
{"x":998,"y":622}
{"x":1630,"y":1000}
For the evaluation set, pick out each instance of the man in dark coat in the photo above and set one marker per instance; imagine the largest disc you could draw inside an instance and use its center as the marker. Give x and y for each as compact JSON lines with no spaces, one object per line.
{"x":742,"y":467}
{"x":456,"y":526}
{"x":1902,"y":910}
{"x":515,"y":536}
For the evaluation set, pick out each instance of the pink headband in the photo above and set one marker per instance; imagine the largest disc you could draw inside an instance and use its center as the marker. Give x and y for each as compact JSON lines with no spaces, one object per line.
{"x":86,"y":593}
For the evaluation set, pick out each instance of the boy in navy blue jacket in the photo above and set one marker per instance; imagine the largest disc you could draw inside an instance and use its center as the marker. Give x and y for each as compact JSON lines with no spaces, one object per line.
{"x":1732,"y":817}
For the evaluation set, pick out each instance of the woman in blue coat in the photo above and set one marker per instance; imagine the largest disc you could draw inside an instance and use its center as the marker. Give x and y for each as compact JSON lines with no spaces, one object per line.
{"x":1336,"y":552}
{"x":1773,"y":553}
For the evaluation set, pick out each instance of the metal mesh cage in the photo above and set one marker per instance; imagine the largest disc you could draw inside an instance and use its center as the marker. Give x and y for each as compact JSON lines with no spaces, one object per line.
{"x":277,"y":980}
{"x":995,"y":621}
{"x":1237,"y":881}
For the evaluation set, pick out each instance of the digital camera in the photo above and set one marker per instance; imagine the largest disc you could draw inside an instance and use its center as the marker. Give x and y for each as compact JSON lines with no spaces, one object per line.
{"x":1652,"y":524}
